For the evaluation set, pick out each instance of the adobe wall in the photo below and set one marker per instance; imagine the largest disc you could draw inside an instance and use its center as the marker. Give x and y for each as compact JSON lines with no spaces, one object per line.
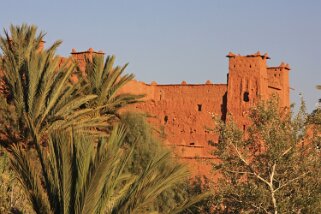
{"x":182,"y":113}
{"x":250,"y":81}
{"x":247,"y":85}
{"x":278,"y":82}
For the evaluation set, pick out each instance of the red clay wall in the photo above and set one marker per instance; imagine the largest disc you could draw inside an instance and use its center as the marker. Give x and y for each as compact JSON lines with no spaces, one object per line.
{"x":182,"y":113}
{"x":247,"y":85}
{"x":278,"y":81}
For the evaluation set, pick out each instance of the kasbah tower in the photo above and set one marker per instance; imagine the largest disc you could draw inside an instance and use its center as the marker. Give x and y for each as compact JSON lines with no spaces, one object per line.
{"x":182,"y":114}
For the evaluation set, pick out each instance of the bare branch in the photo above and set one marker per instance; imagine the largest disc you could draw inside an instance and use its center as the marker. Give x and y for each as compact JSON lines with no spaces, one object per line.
{"x":286,"y":151}
{"x":290,"y":181}
{"x":272,"y":174}
{"x":238,"y":172}
{"x":259,"y":207}
{"x":249,"y":166}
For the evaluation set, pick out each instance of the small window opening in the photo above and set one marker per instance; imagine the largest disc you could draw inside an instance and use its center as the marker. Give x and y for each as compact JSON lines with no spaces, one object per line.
{"x":165,"y":119}
{"x":250,"y":66}
{"x":192,"y":144}
{"x":246,"y":97}
{"x":244,"y":127}
{"x":211,"y":143}
{"x":199,"y":107}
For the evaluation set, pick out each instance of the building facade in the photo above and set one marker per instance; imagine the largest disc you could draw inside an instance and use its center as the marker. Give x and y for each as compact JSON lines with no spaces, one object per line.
{"x":182,"y":114}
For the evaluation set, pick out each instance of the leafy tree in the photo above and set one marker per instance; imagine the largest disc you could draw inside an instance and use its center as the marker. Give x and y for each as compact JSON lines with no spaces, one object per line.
{"x":274,"y":168}
{"x":139,"y":137}
{"x":199,"y":186}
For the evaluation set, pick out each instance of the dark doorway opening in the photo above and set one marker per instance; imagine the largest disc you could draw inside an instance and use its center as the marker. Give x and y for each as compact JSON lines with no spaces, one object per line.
{"x":246,"y":97}
{"x":199,"y":107}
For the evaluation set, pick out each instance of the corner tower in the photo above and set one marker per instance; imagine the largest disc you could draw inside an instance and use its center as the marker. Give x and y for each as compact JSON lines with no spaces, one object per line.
{"x":247,"y":85}
{"x":278,"y":78}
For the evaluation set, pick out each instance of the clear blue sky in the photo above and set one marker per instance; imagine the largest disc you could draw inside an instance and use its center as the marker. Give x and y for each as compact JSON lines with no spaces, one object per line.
{"x":174,"y":40}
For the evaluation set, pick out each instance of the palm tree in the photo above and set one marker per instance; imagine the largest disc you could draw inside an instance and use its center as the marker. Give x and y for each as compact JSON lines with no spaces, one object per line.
{"x":106,"y":81}
{"x":40,"y":97}
{"x":80,"y":174}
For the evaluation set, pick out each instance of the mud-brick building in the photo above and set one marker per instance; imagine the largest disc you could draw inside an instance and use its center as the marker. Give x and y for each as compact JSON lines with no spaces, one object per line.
{"x":183,"y":113}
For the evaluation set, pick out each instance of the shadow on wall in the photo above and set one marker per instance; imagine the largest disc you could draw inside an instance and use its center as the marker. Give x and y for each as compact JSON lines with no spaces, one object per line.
{"x":223,"y":107}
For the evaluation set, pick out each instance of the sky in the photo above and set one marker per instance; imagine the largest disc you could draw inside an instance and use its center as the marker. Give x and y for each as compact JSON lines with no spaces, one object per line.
{"x":174,"y":40}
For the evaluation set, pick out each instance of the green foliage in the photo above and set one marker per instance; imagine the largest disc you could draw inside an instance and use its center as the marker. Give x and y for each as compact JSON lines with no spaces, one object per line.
{"x":272,"y":170}
{"x":139,"y":137}
{"x":200,"y":186}
{"x":40,"y":98}
{"x":106,"y":81}
{"x":145,"y":148}
{"x":79,"y":176}
{"x":76,"y":164}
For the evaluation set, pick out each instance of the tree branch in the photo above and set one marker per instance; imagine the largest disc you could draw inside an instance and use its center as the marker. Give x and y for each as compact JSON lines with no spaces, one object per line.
{"x":249,"y":166}
{"x":290,"y":181}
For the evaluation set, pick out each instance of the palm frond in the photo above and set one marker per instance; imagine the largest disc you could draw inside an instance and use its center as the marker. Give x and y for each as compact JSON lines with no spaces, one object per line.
{"x":39,"y":87}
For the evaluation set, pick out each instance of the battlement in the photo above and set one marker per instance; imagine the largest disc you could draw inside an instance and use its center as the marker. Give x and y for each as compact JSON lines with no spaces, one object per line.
{"x":87,"y":52}
{"x":281,"y":67}
{"x":256,"y":55}
{"x":183,"y":83}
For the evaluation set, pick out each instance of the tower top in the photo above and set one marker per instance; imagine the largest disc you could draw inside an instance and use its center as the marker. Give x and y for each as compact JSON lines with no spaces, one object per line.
{"x":257,"y":54}
{"x":90,"y":50}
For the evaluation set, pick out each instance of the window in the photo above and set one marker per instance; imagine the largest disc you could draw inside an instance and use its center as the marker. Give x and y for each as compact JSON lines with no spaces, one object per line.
{"x":165,"y":119}
{"x":246,"y":97}
{"x":211,"y":143}
{"x":199,"y":107}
